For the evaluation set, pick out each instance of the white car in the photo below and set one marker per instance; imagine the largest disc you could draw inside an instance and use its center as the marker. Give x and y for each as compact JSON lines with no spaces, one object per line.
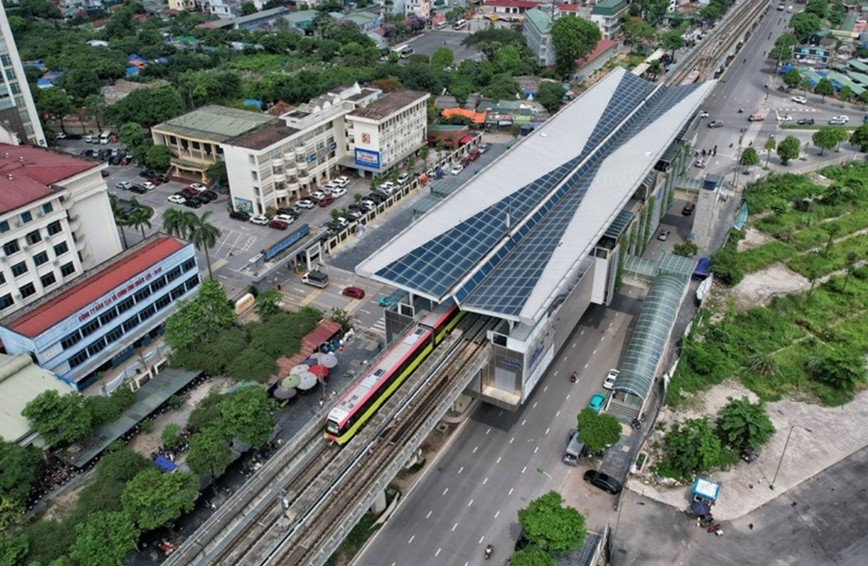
{"x":785,"y":118}
{"x":403,"y":178}
{"x":125,"y":185}
{"x":176,"y":199}
{"x":342,"y":182}
{"x":198,"y":187}
{"x":699,"y":163}
{"x":149,"y":186}
{"x":285,"y":217}
{"x":318,"y":195}
{"x":800,"y":99}
{"x":703,"y":114}
{"x":338,"y":192}
{"x":305,"y":203}
{"x":259,"y":220}
{"x":609,"y":382}
{"x":456,"y":169}
{"x":842,"y":119}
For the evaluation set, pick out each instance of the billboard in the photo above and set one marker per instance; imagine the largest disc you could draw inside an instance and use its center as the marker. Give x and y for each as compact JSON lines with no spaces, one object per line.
{"x":367,"y":158}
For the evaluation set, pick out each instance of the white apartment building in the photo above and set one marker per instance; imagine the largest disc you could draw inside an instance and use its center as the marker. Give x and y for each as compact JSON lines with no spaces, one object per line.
{"x":289,"y":157}
{"x":383,"y":133}
{"x":55,"y":222}
{"x":17,"y":111}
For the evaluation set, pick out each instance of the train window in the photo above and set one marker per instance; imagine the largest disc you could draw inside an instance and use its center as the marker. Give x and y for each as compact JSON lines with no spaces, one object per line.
{"x":332,"y":427}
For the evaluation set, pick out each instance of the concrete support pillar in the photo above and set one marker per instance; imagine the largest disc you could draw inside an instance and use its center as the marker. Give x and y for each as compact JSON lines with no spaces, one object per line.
{"x":380,"y":504}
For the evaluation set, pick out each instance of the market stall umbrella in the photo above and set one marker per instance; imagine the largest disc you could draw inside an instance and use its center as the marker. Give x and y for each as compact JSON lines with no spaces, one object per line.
{"x":312,"y":361}
{"x":321,"y":372}
{"x":291,"y":382}
{"x":284,"y":394}
{"x":308,"y":381}
{"x":699,"y":508}
{"x":300,"y":368}
{"x":329,"y":360}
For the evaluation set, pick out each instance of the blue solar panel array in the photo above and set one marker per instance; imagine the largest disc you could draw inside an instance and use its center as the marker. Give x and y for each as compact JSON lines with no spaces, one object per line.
{"x":510,"y":275}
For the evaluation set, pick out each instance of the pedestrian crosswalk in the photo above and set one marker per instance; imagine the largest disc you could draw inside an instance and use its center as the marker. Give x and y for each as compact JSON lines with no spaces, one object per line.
{"x":379,"y":327}
{"x":796,"y":108}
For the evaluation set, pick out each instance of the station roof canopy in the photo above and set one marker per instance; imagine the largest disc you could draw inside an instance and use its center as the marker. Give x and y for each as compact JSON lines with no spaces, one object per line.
{"x":507,"y":241}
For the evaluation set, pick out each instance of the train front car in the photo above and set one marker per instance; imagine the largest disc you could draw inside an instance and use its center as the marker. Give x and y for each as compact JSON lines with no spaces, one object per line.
{"x":367,"y":395}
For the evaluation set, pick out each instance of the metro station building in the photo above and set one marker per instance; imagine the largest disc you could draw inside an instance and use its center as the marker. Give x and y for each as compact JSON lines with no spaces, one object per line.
{"x":542,"y":232}
{"x":98,"y":320}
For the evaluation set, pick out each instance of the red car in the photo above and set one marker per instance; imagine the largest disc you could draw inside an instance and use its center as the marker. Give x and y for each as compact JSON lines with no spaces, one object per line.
{"x":473,"y":155}
{"x":354,"y":292}
{"x":325,"y":201}
{"x":278,"y":224}
{"x":188,"y":192}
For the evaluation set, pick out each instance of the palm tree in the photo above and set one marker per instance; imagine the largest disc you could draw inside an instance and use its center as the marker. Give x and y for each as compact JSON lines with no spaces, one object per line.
{"x":141,"y":218}
{"x":204,"y":235}
{"x":177,"y":222}
{"x":118,"y":213}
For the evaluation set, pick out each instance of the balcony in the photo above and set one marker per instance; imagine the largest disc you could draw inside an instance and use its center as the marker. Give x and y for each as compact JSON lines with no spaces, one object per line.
{"x":300,"y":153}
{"x":291,"y":171}
{"x":293,"y":186}
{"x":303,"y":166}
{"x":277,"y":161}
{"x":281,"y":192}
{"x":279,"y":177}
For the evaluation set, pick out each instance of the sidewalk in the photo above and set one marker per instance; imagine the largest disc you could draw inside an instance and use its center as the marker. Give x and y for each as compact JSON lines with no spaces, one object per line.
{"x":835,"y":433}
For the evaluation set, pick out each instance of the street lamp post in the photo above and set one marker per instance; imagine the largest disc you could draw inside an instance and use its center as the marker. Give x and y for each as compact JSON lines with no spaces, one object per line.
{"x":787,"y":443}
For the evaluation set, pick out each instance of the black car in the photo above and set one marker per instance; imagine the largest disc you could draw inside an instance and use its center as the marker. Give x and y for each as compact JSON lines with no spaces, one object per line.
{"x":163,"y":178}
{"x":208,"y":196}
{"x":138,"y":189}
{"x":377,"y":197}
{"x":194,"y":202}
{"x":603,"y":481}
{"x":115,"y":160}
{"x":239,"y":215}
{"x":806,"y":122}
{"x":289,"y":210}
{"x":146,"y":173}
{"x":715,"y":124}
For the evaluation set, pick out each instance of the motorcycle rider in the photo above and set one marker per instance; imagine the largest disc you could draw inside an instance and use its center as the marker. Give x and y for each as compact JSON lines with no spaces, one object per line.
{"x":489,"y":550}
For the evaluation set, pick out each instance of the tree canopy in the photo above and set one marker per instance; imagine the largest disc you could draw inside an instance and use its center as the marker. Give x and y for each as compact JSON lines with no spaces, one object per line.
{"x":59,"y":418}
{"x":859,"y":138}
{"x":573,"y":38}
{"x":196,"y":321}
{"x":789,"y":149}
{"x":691,"y":447}
{"x":104,"y":538}
{"x":828,"y":137}
{"x":154,"y":498}
{"x":246,"y":416}
{"x":551,"y":95}
{"x":551,"y":526}
{"x":19,"y":472}
{"x":744,"y":425}
{"x":598,"y":431}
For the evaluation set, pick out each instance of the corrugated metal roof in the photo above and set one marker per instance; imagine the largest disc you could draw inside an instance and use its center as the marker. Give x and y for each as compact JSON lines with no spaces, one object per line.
{"x":20,"y":382}
{"x":214,"y":123}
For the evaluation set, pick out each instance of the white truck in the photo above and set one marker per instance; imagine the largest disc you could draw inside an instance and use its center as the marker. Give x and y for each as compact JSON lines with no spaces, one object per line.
{"x":315,"y":279}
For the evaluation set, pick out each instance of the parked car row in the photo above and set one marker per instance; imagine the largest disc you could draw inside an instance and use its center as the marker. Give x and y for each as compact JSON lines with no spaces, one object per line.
{"x":117,"y":156}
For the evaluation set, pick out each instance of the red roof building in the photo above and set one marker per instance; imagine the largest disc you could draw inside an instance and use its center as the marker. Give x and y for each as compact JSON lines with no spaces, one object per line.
{"x":28,"y":173}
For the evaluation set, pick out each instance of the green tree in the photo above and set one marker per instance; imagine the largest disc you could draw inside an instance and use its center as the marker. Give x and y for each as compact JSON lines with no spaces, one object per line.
{"x":216,"y":172}
{"x":789,"y":149}
{"x":744,"y":425}
{"x":196,"y":321}
{"x":551,"y":95}
{"x":248,"y":8}
{"x":154,"y":498}
{"x":94,"y":108}
{"x":792,"y":78}
{"x":845,"y":93}
{"x":13,"y":549}
{"x":852,"y":259}
{"x":137,"y":140}
{"x":53,"y":103}
{"x":104,"y":538}
{"x":80,"y":83}
{"x":207,"y":412}
{"x":11,"y":513}
{"x":825,"y":138}
{"x":749,"y":158}
{"x":819,"y":8}
{"x":573,"y":38}
{"x":531,"y":556}
{"x":171,"y":436}
{"x":859,"y":137}
{"x":177,"y":222}
{"x":246,"y":416}
{"x":672,"y":41}
{"x":268,"y":304}
{"x":140,"y":218}
{"x":158,"y":157}
{"x":637,"y":30}
{"x":783,"y":48}
{"x":710,"y":12}
{"x":598,"y":431}
{"x":691,"y":447}
{"x":252,"y":364}
{"x":443,"y":57}
{"x":838,"y":369}
{"x":769,"y":146}
{"x":148,"y":106}
{"x":203,"y":235}
{"x":726,"y":265}
{"x":551,"y":526}
{"x":60,"y":419}
{"x":210,"y":453}
{"x":805,"y":25}
{"x":824,"y":88}
{"x":508,"y":60}
{"x":20,"y":470}
{"x":685,"y":249}
{"x":39,"y":9}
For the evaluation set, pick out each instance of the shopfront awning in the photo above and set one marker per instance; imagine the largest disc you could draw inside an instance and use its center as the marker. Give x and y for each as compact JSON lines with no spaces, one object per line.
{"x":466,"y":140}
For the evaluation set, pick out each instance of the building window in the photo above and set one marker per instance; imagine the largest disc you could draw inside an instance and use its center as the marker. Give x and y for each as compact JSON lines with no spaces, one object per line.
{"x":78,"y":359}
{"x":4,"y":227}
{"x":163,"y":301}
{"x":27,"y":290}
{"x":89,"y":328}
{"x":6,"y":301}
{"x":142,"y":295}
{"x":19,"y":269}
{"x":71,"y":340}
{"x":46,"y":208}
{"x":114,"y":335}
{"x":125,"y":305}
{"x":174,"y":273}
{"x":26,"y":217}
{"x":107,"y":316}
{"x":158,"y":284}
{"x":188,"y":265}
{"x":96,"y":347}
{"x":33,"y":237}
{"x":61,"y":249}
{"x":178,"y":292}
{"x":147,"y":312}
{"x":48,"y":279}
{"x":67,"y":269}
{"x":12,"y":247}
{"x":40,"y":258}
{"x":192,"y":282}
{"x":54,"y":228}
{"x":131,"y":323}
{"x":2,"y":278}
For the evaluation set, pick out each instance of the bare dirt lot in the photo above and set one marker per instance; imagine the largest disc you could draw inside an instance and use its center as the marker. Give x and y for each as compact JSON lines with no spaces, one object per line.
{"x":759,"y":288}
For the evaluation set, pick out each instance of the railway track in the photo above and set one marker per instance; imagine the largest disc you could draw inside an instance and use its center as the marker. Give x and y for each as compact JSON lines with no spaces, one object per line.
{"x":302,"y":545}
{"x":721,"y":42}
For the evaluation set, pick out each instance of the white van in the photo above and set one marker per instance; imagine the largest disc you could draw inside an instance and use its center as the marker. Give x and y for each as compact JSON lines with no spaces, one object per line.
{"x":460,"y":24}
{"x":574,"y":449}
{"x":104,"y":137}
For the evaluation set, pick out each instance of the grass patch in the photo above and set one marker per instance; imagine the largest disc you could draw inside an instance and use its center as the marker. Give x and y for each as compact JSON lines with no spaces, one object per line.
{"x":762,"y":256}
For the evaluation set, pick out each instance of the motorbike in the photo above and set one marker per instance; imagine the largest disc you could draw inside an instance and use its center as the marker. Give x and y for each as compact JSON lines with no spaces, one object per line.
{"x":489,"y":550}
{"x":574,"y":378}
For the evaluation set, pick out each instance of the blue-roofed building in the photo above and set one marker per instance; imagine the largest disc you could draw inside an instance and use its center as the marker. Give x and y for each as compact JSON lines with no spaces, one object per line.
{"x":536,"y":245}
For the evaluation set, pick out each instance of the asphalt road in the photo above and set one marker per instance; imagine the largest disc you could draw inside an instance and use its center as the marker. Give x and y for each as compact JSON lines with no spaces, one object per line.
{"x":428,"y":43}
{"x":819,"y":523}
{"x":500,"y":461}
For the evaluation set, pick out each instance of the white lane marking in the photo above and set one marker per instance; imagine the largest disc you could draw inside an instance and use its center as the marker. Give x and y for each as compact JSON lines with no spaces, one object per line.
{"x":534,"y":405}
{"x":524,"y":469}
{"x":564,"y":359}
{"x":511,"y":490}
{"x":461,"y":469}
{"x":573,"y":346}
{"x":487,"y":431}
{"x":411,"y":539}
{"x":438,"y":552}
{"x":594,"y":352}
{"x":535,"y":450}
{"x":445,"y":490}
{"x":485,"y":481}
{"x":603,"y":338}
{"x":582,"y":332}
{"x":547,"y":430}
{"x":499,"y":458}
{"x":475,"y":448}
{"x":497,"y":514}
{"x":546,"y":388}
{"x":455,"y":526}
{"x":568,"y":398}
{"x":587,"y":364}
{"x":429,"y":514}
{"x":558,"y":414}
{"x":524,"y":421}
{"x":469,"y":503}
{"x":511,"y":440}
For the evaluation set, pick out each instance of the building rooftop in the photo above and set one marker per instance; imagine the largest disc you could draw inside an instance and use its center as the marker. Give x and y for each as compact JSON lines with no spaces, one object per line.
{"x":213,"y":123}
{"x":608,"y":7}
{"x":389,"y":104}
{"x":264,"y":136}
{"x":36,"y":318}
{"x":20,"y":382}
{"x":27,"y":173}
{"x":540,"y":20}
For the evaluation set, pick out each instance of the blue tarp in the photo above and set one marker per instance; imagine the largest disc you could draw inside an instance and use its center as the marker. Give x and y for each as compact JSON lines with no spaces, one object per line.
{"x":164,"y":464}
{"x":702,"y":267}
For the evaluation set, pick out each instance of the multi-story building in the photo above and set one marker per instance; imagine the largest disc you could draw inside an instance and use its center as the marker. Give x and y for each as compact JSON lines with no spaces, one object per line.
{"x":386,"y":131}
{"x":17,"y":111}
{"x":55,"y":222}
{"x":353,"y":127}
{"x":537,"y":31}
{"x":194,"y":138}
{"x":421,"y":8}
{"x":607,"y":15}
{"x":99,"y":319}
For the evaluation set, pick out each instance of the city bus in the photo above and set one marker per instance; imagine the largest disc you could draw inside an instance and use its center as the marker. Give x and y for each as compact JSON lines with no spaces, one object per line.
{"x":460,"y":24}
{"x":403,"y":51}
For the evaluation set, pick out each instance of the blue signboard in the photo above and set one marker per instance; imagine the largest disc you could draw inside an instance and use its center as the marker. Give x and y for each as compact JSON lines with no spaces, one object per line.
{"x":333,"y":146}
{"x":311,"y":158}
{"x":367,"y":158}
{"x":286,"y":242}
